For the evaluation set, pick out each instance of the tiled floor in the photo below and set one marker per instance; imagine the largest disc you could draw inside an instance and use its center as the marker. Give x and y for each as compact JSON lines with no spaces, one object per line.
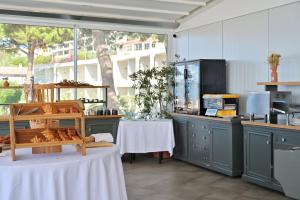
{"x":175,"y":180}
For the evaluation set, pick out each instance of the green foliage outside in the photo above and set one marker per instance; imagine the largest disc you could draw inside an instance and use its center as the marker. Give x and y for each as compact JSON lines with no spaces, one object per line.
{"x":9,"y":96}
{"x":12,"y":59}
{"x":127,"y":106}
{"x":86,"y":55}
{"x":154,"y":90}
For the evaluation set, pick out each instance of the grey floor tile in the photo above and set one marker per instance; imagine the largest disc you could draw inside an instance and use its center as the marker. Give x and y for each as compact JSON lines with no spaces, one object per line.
{"x":175,"y":180}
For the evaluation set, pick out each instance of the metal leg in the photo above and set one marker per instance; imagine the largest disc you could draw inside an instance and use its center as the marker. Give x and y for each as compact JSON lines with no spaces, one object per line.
{"x":133,"y":156}
{"x":160,"y":158}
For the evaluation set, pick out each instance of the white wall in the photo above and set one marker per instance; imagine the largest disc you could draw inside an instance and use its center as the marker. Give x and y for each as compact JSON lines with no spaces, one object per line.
{"x":245,"y":42}
{"x":221,"y":10}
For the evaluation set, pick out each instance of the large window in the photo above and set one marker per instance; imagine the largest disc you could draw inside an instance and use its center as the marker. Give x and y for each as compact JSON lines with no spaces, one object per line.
{"x":103,"y":58}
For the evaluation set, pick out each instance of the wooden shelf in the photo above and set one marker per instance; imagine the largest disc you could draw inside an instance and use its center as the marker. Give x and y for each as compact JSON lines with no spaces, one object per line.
{"x":295,"y":83}
{"x":48,"y":116}
{"x":12,"y":87}
{"x":47,"y":144}
{"x":56,"y":86}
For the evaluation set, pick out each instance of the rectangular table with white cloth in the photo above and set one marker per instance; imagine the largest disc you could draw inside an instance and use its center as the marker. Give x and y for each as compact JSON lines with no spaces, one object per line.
{"x":141,"y":136}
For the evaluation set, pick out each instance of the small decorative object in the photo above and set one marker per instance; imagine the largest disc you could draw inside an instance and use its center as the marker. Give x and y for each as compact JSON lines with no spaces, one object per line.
{"x":107,"y":112}
{"x":114,"y":112}
{"x":5,"y":82}
{"x":274,"y":62}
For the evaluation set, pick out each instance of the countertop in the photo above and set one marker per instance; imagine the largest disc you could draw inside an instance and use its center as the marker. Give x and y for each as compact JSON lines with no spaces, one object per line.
{"x":263,"y":124}
{"x":228,"y":120}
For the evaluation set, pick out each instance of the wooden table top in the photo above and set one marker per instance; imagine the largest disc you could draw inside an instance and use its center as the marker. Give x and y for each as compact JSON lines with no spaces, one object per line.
{"x":263,"y":124}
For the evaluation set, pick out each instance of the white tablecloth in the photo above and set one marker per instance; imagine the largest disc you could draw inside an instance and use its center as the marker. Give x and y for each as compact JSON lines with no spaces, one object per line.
{"x":140,"y":136}
{"x":66,"y":176}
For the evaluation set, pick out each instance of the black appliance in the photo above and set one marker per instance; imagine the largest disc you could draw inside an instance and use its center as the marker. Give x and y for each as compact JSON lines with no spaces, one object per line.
{"x":195,"y":78}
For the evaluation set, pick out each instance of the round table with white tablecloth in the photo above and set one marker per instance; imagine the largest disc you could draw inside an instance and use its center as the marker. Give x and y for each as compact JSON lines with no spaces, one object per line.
{"x":64,"y":176}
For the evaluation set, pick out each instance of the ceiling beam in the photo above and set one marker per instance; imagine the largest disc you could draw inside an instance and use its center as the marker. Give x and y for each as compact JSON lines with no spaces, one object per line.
{"x":114,"y":6}
{"x":82,"y":13}
{"x":187,"y":2}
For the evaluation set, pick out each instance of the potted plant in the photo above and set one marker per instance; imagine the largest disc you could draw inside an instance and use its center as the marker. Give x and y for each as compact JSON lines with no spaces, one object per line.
{"x":154,"y":91}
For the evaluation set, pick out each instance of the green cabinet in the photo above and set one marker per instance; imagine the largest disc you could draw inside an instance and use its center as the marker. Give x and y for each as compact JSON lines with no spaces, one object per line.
{"x":210,"y":143}
{"x":198,"y":141}
{"x":220,"y":141}
{"x":259,"y":154}
{"x":4,"y":126}
{"x":94,"y":125}
{"x":259,"y":145}
{"x":181,"y":138}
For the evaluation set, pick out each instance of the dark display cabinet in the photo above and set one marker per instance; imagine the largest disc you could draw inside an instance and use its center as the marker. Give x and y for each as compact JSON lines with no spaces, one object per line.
{"x":195,"y":78}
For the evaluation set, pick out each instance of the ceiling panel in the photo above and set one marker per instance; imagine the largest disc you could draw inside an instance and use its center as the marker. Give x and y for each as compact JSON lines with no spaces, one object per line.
{"x":165,"y":11}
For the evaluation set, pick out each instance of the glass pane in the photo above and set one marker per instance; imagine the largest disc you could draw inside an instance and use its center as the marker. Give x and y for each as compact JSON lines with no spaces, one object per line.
{"x":193,"y":86}
{"x":179,"y":92}
{"x":110,"y":57}
{"x":40,"y":51}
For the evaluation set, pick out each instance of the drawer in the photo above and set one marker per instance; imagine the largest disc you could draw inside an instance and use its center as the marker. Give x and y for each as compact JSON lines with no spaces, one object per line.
{"x":288,"y":138}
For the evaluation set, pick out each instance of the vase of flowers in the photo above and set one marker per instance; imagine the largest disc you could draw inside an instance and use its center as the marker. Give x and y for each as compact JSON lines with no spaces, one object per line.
{"x":274,"y":62}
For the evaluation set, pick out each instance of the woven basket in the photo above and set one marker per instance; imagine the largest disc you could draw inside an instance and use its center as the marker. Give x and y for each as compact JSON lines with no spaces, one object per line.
{"x":44,"y":124}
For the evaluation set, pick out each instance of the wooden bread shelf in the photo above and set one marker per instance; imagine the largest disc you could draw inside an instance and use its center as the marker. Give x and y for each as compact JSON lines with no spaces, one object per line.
{"x":43,"y":139}
{"x":295,"y":83}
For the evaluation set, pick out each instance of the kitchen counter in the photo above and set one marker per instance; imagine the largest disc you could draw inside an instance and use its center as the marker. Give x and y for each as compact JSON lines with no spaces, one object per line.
{"x":227,"y":120}
{"x":263,"y":124}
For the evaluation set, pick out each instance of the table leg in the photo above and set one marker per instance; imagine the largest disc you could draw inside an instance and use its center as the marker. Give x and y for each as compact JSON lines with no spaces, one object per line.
{"x":130,"y":158}
{"x":160,"y":157}
{"x":134,"y":156}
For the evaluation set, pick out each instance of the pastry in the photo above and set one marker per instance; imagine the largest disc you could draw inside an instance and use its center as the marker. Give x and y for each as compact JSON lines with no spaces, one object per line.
{"x":71,"y":132}
{"x":37,"y":139}
{"x":49,"y":109}
{"x":75,"y":137}
{"x":51,"y":135}
{"x":5,"y":139}
{"x":63,"y":135}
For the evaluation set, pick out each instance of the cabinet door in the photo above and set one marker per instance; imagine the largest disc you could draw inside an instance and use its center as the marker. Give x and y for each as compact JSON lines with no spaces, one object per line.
{"x":198,"y":141}
{"x":221,"y":145}
{"x":194,"y":141}
{"x":181,"y":140}
{"x":258,"y":153}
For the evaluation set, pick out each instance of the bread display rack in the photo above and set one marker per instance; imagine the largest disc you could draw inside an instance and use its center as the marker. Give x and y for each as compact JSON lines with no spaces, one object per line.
{"x":48,"y":139}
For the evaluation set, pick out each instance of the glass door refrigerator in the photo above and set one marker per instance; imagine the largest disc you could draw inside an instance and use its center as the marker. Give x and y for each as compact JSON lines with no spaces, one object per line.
{"x":195,"y":78}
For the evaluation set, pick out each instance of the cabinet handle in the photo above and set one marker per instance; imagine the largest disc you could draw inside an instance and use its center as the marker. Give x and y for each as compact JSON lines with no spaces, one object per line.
{"x":90,"y":130}
{"x":203,"y":127}
{"x":283,"y":140}
{"x":209,"y":132}
{"x":193,"y":125}
{"x":193,"y":135}
{"x":268,"y":142}
{"x":204,"y":137}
